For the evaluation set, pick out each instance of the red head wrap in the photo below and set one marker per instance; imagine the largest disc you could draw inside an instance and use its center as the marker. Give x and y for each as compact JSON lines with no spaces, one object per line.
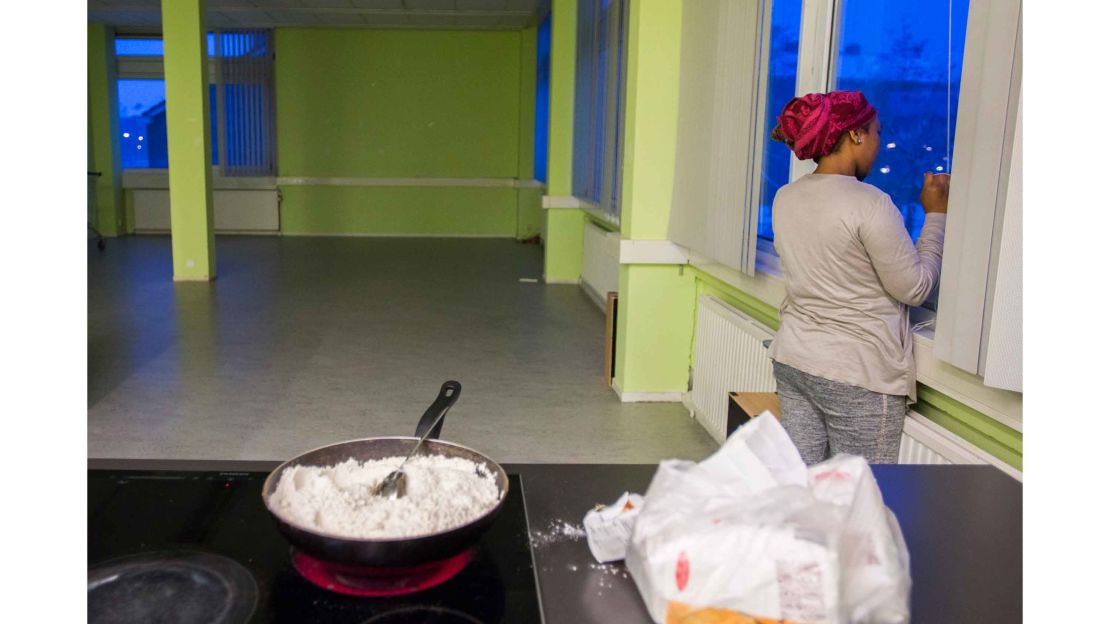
{"x":811,"y":125}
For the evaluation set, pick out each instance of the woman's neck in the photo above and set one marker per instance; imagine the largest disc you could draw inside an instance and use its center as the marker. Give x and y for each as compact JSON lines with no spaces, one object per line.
{"x":836,"y":166}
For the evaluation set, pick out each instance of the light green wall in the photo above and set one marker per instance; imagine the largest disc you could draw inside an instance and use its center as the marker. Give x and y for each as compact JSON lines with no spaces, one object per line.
{"x":104,"y":154}
{"x":565,"y":226}
{"x":189,"y":141}
{"x":560,"y":141}
{"x":655,"y":314}
{"x":655,"y":328}
{"x":358,"y":103}
{"x":392,"y":211}
{"x":529,"y":211}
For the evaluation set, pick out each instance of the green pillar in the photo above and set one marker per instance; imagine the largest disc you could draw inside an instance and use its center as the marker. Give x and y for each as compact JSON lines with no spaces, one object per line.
{"x":565,"y":226}
{"x":529,"y":215}
{"x":655,"y":318}
{"x":190,"y":148}
{"x":104,"y":145}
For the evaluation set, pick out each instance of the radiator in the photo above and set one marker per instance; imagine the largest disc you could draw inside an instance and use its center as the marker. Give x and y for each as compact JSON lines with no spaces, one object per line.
{"x":600,"y":263}
{"x":729,"y":356}
{"x":234,"y":210}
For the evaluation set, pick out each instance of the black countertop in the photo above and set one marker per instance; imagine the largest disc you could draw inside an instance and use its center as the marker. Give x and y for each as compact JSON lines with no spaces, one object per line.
{"x":963,"y":526}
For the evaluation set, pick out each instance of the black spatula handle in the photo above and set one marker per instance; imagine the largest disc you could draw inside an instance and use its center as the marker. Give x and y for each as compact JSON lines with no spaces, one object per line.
{"x":448,"y":394}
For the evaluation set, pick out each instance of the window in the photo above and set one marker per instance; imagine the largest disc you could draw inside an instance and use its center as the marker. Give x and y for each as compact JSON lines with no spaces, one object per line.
{"x":543,"y":97}
{"x":240,"y":102}
{"x":151,"y":46}
{"x":142,"y":123}
{"x":599,"y":76}
{"x":786,"y":22}
{"x":907,"y":57}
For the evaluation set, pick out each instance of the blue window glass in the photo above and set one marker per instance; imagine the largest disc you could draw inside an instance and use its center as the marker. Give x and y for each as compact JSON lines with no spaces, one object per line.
{"x":127,"y":46}
{"x":151,"y":46}
{"x":907,"y":59}
{"x":786,"y":21}
{"x":543,"y":94}
{"x":142,"y":123}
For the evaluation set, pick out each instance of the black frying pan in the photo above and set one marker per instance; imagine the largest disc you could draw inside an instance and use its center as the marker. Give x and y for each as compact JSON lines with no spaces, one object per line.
{"x":406,"y":551}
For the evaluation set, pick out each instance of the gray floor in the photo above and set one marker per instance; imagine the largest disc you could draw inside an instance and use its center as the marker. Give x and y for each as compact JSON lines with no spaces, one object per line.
{"x":306,"y":341}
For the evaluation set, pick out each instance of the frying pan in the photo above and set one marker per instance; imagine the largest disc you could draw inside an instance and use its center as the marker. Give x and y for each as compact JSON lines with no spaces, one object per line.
{"x":398,"y":552}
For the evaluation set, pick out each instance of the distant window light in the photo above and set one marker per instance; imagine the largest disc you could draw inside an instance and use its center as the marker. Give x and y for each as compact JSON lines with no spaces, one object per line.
{"x":152,"y":46}
{"x":139,"y":46}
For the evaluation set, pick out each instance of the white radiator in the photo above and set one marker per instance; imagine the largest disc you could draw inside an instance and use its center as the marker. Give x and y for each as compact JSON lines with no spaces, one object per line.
{"x":234,"y":210}
{"x":729,"y":356}
{"x":600,"y":263}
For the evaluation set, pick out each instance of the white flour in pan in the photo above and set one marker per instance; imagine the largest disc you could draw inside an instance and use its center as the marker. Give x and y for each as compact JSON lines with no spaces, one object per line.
{"x":440,"y":493}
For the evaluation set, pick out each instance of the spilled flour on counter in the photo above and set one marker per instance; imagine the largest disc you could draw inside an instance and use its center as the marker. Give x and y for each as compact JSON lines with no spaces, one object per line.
{"x":441,"y":493}
{"x":558,"y":531}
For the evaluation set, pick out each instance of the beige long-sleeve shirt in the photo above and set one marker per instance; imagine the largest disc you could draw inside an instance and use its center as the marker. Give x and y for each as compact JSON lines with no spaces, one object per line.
{"x":851,"y":273}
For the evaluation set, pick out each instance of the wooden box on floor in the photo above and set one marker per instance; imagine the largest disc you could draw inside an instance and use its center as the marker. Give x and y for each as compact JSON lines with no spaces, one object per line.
{"x":743,"y":406}
{"x":610,"y":336}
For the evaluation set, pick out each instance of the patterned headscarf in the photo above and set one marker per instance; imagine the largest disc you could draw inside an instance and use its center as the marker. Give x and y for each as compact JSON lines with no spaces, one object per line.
{"x":812,"y":124}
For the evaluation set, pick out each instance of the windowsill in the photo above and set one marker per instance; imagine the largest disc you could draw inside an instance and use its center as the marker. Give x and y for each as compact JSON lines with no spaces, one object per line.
{"x":159,"y":179}
{"x":592,"y":210}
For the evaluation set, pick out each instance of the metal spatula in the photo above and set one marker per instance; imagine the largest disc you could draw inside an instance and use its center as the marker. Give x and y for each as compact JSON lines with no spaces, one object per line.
{"x":393,"y":486}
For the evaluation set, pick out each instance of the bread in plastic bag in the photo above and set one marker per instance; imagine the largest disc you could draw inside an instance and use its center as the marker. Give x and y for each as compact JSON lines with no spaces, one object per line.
{"x":753,"y":532}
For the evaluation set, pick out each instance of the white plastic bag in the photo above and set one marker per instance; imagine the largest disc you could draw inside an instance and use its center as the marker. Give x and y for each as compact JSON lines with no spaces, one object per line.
{"x":609,"y":529}
{"x":752,"y":531}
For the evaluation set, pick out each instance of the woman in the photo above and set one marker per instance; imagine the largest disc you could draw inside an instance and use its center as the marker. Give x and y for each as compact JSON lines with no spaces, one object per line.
{"x":843,"y":354}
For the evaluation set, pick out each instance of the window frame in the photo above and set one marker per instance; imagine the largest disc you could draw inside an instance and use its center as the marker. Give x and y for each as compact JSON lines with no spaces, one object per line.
{"x":138,"y":67}
{"x":962,"y":324}
{"x":599,"y":122}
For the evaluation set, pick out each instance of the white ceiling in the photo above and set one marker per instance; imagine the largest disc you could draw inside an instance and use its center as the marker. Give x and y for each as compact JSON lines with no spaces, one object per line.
{"x":471,"y":14}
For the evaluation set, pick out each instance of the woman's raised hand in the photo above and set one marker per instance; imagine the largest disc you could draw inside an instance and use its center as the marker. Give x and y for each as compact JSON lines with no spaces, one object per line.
{"x":934,"y":192}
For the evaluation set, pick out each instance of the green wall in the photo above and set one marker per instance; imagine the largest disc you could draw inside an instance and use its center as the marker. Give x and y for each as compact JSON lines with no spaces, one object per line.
{"x":529,"y":217}
{"x":400,"y":104}
{"x":104,"y":155}
{"x":655,"y":316}
{"x":562,"y":262}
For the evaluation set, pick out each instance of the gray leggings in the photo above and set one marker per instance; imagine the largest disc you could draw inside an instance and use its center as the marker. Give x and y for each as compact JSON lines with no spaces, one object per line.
{"x":826,"y":417}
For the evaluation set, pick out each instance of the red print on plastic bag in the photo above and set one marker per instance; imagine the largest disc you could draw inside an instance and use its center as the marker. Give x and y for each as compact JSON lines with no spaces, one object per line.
{"x":682,"y":571}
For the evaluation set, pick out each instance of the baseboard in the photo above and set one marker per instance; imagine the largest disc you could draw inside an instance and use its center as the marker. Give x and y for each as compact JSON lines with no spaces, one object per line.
{"x":395,"y":235}
{"x":646,"y":397}
{"x":548,"y":280}
{"x":700,"y":417}
{"x":594,"y":296}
